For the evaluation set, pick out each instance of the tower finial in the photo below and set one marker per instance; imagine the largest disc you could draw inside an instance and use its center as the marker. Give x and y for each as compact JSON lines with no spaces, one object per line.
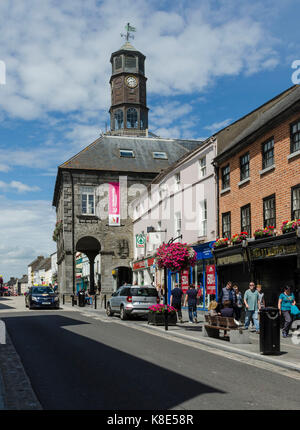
{"x":129,"y":29}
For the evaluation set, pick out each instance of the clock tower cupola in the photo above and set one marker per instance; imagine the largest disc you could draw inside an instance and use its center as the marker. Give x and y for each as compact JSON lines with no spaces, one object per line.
{"x":128,"y":111}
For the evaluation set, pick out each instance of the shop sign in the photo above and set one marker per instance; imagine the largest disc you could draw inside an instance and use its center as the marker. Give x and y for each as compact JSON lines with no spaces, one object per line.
{"x":230,"y":259}
{"x":210,"y":279}
{"x":273,"y":251}
{"x":139,"y":265}
{"x":185,"y":280}
{"x":114,"y":204}
{"x":140,"y":240}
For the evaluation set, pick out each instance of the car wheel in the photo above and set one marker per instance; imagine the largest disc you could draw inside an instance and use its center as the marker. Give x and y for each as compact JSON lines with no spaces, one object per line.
{"x":123,"y":314}
{"x":109,"y":312}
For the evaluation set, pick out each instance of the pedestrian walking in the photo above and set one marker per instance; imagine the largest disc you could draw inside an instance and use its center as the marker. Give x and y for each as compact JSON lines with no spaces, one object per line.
{"x":191,"y":301}
{"x":261,"y":296}
{"x":227,"y":293}
{"x":176,"y":297}
{"x":285,"y":302}
{"x":238,"y":306}
{"x":252,"y":305}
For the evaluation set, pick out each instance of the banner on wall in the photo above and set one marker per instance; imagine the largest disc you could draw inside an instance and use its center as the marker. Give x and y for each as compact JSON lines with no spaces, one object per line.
{"x":114,"y":204}
{"x":185,"y":280}
{"x":210,"y":279}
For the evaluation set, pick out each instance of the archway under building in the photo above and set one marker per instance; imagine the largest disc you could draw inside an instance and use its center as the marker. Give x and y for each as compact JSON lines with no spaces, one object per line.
{"x":90,"y":246}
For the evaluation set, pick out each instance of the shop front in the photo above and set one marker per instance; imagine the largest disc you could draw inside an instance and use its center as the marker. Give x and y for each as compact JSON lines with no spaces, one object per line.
{"x":272,"y":262}
{"x":144,"y":271}
{"x":203,"y":275}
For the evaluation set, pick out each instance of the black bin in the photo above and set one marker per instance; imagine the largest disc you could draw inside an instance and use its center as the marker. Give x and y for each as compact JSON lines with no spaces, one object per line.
{"x":269,"y":338}
{"x":81,"y":298}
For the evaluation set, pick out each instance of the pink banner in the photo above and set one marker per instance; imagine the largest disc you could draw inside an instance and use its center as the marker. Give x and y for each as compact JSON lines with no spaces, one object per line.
{"x":114,"y":203}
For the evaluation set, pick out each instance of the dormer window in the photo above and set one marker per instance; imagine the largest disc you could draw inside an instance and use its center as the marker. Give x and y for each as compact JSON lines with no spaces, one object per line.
{"x":126,"y":153}
{"x":160,"y":155}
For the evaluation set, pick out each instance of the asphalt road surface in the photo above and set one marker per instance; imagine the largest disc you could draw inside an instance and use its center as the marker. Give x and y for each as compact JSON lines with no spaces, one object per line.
{"x":76,"y":362}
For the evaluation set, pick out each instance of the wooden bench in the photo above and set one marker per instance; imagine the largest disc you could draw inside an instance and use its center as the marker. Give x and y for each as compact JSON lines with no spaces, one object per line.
{"x":213,"y":325}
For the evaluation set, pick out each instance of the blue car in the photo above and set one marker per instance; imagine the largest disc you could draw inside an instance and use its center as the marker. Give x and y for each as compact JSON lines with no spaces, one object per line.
{"x":41,"y":297}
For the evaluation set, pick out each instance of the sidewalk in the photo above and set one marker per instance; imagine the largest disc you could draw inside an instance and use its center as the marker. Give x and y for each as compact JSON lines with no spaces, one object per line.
{"x":288,"y":358}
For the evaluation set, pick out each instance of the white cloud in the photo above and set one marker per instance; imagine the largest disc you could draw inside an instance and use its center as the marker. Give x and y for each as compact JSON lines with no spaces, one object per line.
{"x":57,"y":54}
{"x":26,"y":231}
{"x":17,"y":186}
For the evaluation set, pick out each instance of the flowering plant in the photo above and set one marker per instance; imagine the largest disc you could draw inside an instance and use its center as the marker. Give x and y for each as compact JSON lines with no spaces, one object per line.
{"x":238,"y":238}
{"x":160,"y":309}
{"x":288,"y":226}
{"x":57,"y":230}
{"x":264,"y":232}
{"x":175,"y":256}
{"x":221,"y":241}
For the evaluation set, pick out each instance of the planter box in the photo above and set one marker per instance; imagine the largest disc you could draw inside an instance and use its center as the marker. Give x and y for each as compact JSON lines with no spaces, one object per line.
{"x":159,"y":319}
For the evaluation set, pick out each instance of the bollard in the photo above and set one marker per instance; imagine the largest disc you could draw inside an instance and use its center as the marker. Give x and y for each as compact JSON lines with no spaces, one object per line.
{"x":63,"y":299}
{"x":95,"y":301}
{"x":104,"y":301}
{"x":2,"y":333}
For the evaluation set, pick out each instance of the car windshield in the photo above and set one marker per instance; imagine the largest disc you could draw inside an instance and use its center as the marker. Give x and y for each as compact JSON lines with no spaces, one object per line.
{"x":42,"y":290}
{"x":144,"y":291}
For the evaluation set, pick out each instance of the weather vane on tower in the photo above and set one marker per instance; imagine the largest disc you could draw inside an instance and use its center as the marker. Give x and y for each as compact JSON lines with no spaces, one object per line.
{"x":129,"y":30}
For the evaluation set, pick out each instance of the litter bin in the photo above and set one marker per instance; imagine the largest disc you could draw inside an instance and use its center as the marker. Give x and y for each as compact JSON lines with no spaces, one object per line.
{"x":81,"y":298}
{"x":269,"y":328}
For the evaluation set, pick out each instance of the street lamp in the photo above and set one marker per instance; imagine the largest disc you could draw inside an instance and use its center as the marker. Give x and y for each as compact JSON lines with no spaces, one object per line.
{"x":166,"y":286}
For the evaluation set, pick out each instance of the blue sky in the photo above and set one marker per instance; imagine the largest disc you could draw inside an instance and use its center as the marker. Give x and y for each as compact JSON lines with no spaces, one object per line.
{"x":208,"y":63}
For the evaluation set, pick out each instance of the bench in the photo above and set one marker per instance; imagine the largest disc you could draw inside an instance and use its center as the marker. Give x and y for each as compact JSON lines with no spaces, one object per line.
{"x":213,"y":325}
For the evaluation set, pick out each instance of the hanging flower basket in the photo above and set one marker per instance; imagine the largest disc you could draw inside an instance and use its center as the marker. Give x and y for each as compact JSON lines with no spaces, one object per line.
{"x":221,"y":242}
{"x":289,"y":226}
{"x":175,"y":256}
{"x":238,"y":238}
{"x":264,"y":232}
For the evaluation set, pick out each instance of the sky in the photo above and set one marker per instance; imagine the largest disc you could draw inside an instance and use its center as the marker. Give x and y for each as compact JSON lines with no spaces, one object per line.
{"x":208,"y":63}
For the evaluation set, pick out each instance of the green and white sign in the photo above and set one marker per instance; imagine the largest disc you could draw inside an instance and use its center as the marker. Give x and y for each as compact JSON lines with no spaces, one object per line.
{"x":140,"y":240}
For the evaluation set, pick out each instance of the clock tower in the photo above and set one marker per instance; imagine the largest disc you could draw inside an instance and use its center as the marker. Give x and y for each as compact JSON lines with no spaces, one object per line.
{"x":128,"y":111}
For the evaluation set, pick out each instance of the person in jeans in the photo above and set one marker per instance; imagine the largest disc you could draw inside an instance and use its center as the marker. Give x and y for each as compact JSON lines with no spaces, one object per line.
{"x":251,"y":302}
{"x":261,"y":296}
{"x":238,"y":306}
{"x":285,"y":302}
{"x":191,"y":301}
{"x":176,"y":296}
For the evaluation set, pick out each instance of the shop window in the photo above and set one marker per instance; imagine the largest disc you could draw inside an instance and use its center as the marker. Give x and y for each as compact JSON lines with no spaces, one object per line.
{"x":296,"y":202}
{"x":269,"y":210}
{"x":246,"y":219}
{"x":244,"y":166}
{"x":225,"y":177}
{"x":226,"y":225}
{"x":295,"y":137}
{"x":268,"y":153}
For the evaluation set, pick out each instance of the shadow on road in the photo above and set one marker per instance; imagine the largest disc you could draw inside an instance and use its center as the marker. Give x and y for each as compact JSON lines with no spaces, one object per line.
{"x":69,"y":371}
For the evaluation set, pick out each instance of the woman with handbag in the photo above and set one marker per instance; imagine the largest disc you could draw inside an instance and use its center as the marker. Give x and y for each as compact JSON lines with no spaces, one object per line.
{"x":285,"y":303}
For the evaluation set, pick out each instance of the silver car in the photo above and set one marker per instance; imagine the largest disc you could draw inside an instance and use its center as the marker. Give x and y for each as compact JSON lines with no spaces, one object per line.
{"x":132,"y":300}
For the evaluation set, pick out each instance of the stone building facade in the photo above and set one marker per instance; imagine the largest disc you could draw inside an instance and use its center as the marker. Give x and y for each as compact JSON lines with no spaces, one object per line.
{"x":125,"y":156}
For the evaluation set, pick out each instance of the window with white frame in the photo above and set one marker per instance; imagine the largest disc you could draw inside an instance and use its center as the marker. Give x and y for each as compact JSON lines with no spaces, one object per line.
{"x":203,"y":218}
{"x":177,"y":230}
{"x":87,"y":200}
{"x":202,"y":167}
{"x":177,"y":181}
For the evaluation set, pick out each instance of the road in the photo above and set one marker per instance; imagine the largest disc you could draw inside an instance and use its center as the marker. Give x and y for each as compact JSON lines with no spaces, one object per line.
{"x":77,"y":362}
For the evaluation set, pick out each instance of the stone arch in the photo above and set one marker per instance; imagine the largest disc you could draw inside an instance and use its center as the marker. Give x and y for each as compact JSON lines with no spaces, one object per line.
{"x":91,"y":247}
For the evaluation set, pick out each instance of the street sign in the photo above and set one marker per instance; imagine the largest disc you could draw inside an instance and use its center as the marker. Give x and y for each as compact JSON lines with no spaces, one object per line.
{"x":140,"y":240}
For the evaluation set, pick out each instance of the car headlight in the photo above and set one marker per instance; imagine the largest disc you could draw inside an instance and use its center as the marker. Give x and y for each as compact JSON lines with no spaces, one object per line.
{"x":56,"y":299}
{"x":34,"y":299}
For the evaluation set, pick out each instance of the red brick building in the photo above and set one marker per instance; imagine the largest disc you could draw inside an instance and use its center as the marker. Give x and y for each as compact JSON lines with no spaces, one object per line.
{"x":258,"y":171}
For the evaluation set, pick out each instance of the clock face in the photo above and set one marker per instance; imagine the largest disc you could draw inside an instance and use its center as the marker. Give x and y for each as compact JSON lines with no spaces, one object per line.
{"x":131,"y":81}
